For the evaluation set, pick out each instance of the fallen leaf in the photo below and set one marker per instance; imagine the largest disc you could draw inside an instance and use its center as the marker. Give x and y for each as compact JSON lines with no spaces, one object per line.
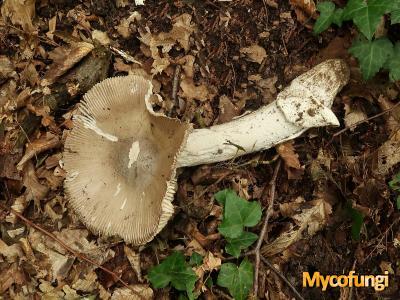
{"x":309,"y":221}
{"x":124,"y":26}
{"x":140,"y":289}
{"x":101,"y":37}
{"x":254,"y":53}
{"x":134,"y":260}
{"x":45,"y":142}
{"x":6,"y":68}
{"x":304,"y":9}
{"x":227,"y":110}
{"x":182,"y":28}
{"x":353,"y":115}
{"x":34,"y":189}
{"x":20,"y":12}
{"x":64,"y":58}
{"x":198,"y":92}
{"x":287,"y":152}
{"x":388,"y":155}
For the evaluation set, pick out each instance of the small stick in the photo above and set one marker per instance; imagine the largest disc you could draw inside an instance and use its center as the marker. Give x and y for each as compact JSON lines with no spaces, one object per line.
{"x":175,"y":84}
{"x":125,"y":55}
{"x":68,"y":248}
{"x":277,"y":272}
{"x":263,"y":233}
{"x":361,"y":122}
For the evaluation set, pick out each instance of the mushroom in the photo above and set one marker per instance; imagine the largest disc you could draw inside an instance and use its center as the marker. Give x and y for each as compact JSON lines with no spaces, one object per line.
{"x":121,"y":156}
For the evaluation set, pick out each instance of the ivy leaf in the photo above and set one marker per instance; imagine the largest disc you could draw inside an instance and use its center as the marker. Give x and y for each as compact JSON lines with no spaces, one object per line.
{"x":327,"y":12}
{"x":367,"y":14}
{"x":176,"y":271}
{"x":222,"y":195}
{"x":371,"y":55}
{"x":245,"y":240}
{"x":395,"y":13}
{"x":394,"y":184}
{"x":196,"y":259}
{"x":393,"y":63}
{"x":238,"y":280}
{"x":237,"y":214}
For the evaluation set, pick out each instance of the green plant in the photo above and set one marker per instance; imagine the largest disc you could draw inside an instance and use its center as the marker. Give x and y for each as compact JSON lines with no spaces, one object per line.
{"x":394,"y":184}
{"x":176,"y":271}
{"x":238,"y":280}
{"x":372,"y":53}
{"x":238,"y":214}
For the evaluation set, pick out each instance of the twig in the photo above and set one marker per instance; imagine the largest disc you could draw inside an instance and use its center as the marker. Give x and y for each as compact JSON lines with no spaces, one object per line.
{"x":361,"y":122}
{"x":175,"y":84}
{"x":277,"y":272}
{"x":68,"y":248}
{"x":263,"y":233}
{"x":125,"y":55}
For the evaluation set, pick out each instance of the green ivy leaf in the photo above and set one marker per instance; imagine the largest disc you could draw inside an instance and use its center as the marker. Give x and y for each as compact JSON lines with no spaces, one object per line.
{"x":393,"y":63}
{"x":238,"y":280}
{"x":371,"y":55}
{"x":245,"y":240}
{"x":367,"y":14}
{"x":395,"y":13}
{"x":176,"y":271}
{"x":394,"y":184}
{"x":237,"y":214}
{"x":338,"y":17}
{"x":327,"y":12}
{"x":196,"y":259}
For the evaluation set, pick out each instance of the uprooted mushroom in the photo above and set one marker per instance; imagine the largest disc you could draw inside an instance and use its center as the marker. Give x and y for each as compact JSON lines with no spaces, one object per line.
{"x":121,"y":156}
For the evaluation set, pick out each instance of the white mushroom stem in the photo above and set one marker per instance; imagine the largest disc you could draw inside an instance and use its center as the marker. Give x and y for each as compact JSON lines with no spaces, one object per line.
{"x":302,"y":105}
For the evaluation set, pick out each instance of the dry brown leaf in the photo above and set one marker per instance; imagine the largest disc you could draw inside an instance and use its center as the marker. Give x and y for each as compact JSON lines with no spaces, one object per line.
{"x":20,"y":12}
{"x":353,"y":117}
{"x":210,"y":263}
{"x":13,"y":275}
{"x":124,"y":26}
{"x":309,"y":221}
{"x":388,"y":155}
{"x":254,"y":53}
{"x":134,"y":260}
{"x":34,"y":189}
{"x":12,"y":253}
{"x":291,"y":208}
{"x":227,"y":110}
{"x":30,"y":74}
{"x":125,"y":293}
{"x":182,"y":28}
{"x":87,"y":284}
{"x":64,"y":58}
{"x":101,"y":37}
{"x":191,"y":91}
{"x":187,"y":65}
{"x":45,"y":142}
{"x":392,"y":118}
{"x":287,"y":152}
{"x":304,"y":9}
{"x":6,"y":68}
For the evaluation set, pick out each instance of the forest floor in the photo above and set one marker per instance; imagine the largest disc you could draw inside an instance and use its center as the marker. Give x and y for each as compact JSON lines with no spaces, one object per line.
{"x":334,"y":210}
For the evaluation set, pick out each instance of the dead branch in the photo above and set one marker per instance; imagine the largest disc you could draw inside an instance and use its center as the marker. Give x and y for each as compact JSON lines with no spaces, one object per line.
{"x":263,"y":234}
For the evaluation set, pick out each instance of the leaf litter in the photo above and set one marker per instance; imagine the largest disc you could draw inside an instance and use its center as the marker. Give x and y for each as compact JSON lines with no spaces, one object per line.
{"x":234,"y":57}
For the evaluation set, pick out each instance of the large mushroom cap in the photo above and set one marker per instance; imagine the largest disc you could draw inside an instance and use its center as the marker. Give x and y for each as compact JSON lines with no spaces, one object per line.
{"x":120,"y":161}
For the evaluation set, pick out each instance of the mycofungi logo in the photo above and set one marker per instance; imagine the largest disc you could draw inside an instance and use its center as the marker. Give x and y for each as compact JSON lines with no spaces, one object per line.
{"x":378,"y":282}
